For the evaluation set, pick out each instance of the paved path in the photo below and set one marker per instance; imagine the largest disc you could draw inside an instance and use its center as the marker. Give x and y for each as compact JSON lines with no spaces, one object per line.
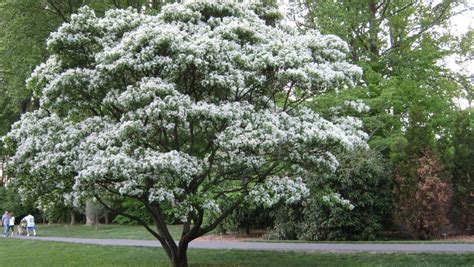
{"x":328,"y":247}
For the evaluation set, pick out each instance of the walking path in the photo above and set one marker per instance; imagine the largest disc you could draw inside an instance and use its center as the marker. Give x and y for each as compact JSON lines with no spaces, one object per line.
{"x":327,"y":247}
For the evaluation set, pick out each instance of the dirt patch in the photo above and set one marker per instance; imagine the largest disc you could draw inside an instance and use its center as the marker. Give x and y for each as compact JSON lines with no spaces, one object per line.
{"x":259,"y":236}
{"x":461,"y":238}
{"x":233,"y":237}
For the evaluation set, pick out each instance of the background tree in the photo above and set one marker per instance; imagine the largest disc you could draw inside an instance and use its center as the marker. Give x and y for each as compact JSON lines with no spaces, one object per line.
{"x":11,"y":201}
{"x":401,"y":46}
{"x":181,"y":112}
{"x":422,"y":198}
{"x":462,"y":212}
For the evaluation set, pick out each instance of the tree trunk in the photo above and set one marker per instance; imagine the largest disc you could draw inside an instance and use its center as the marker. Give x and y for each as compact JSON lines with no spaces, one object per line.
{"x":91,"y":216}
{"x":73,"y":217}
{"x":373,"y":31}
{"x":106,"y":218}
{"x":180,"y":261}
{"x":180,"y":258}
{"x":2,"y":172}
{"x":176,"y":252}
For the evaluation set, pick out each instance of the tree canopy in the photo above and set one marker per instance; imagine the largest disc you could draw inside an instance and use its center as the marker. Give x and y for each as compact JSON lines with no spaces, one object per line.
{"x":190,"y":112}
{"x":401,"y":46}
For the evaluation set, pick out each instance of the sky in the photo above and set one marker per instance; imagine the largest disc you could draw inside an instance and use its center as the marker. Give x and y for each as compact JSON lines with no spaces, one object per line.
{"x":459,"y":25}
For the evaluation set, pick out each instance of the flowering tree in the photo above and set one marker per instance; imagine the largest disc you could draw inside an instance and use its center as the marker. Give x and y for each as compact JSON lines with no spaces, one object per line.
{"x":190,"y":112}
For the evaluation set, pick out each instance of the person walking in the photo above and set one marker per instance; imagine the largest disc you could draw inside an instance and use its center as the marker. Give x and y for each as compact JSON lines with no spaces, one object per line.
{"x":30,"y":226}
{"x":12,"y":224}
{"x":5,"y":223}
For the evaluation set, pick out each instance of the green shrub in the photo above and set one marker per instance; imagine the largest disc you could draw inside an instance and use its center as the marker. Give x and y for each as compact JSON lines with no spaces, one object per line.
{"x":363,"y":180}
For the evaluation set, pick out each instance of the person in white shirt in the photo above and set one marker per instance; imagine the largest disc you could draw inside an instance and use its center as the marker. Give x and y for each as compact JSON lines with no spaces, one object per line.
{"x":12,"y":224}
{"x":30,"y":226}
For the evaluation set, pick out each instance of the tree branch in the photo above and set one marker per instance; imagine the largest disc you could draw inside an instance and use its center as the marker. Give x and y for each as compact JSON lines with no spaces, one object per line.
{"x":400,"y":9}
{"x":159,"y":219}
{"x":58,"y":11}
{"x":415,"y":36}
{"x":224,"y":215}
{"x":140,"y":221}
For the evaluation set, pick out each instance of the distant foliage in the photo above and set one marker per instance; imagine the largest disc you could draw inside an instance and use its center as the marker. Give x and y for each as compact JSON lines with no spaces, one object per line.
{"x":246,"y":219}
{"x":11,"y":201}
{"x":462,"y":212}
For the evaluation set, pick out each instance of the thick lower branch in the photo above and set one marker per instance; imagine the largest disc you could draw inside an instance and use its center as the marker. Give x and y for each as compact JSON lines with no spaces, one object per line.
{"x":224,"y":215}
{"x":160,"y":223}
{"x":140,"y":221}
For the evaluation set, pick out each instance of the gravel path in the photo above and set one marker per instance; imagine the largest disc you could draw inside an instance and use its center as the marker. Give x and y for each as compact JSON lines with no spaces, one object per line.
{"x":328,"y":247}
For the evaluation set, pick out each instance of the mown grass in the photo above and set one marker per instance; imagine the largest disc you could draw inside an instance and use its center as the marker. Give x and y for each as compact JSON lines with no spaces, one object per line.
{"x":102,"y":231}
{"x":115,"y":231}
{"x":14,"y":252}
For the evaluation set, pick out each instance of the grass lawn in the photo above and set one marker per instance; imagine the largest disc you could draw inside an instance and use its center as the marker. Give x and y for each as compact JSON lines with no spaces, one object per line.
{"x":102,"y":231}
{"x":115,"y":231}
{"x":14,"y":252}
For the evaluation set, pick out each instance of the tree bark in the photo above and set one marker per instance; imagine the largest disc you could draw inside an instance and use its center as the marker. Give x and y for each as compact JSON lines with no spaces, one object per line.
{"x":180,"y":259}
{"x":106,"y":218}
{"x":73,"y":217}
{"x":91,"y":216}
{"x":373,"y":31}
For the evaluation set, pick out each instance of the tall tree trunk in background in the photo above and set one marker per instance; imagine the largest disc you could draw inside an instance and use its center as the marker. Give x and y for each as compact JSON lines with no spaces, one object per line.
{"x":73,"y":216}
{"x":24,"y":105}
{"x":2,"y":176}
{"x":373,"y":31}
{"x":106,"y":218}
{"x":91,"y":213}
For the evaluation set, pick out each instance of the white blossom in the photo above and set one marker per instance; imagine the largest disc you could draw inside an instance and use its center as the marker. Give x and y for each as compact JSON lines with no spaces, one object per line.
{"x":278,"y":188}
{"x":335,"y":199}
{"x":181,"y":109}
{"x":357,"y":105}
